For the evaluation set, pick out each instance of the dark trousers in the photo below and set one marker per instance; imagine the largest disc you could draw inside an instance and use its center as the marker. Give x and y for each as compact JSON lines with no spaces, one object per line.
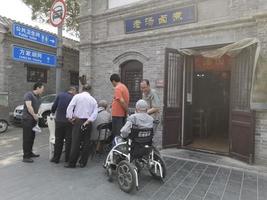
{"x":28,"y":137}
{"x":62,"y":132}
{"x":80,"y":143}
{"x":117,"y":124}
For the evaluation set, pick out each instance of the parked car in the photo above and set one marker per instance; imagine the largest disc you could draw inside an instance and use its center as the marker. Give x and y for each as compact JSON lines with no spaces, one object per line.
{"x":44,"y":110}
{"x":4,"y":114}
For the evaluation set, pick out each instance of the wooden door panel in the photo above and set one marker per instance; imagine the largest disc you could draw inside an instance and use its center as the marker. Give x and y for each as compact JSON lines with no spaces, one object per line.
{"x":172,"y":110}
{"x":242,"y":139}
{"x":131,"y":76}
{"x":242,"y":131}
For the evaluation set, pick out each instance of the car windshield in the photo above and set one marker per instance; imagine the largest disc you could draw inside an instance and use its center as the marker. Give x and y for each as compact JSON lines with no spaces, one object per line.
{"x":48,"y":99}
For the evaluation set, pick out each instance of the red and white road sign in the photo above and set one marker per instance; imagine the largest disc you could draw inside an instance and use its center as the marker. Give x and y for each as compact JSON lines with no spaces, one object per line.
{"x":58,"y":12}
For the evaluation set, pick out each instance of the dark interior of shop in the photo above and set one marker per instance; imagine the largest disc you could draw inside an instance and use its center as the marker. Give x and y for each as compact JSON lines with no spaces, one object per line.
{"x":211,"y":94}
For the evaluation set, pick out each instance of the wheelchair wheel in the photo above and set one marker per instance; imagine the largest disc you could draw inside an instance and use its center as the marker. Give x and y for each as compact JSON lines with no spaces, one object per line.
{"x":126,"y":176}
{"x":156,"y":175}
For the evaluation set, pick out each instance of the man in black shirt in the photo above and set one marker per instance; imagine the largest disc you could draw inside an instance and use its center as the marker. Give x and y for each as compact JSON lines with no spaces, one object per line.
{"x":32,"y":102}
{"x":63,"y":126}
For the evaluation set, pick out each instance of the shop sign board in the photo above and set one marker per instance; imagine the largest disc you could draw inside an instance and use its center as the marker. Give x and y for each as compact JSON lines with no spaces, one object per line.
{"x":165,"y":19}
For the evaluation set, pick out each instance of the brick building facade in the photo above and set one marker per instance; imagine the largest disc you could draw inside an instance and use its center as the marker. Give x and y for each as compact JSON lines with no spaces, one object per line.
{"x":105,"y":47}
{"x":17,"y":77}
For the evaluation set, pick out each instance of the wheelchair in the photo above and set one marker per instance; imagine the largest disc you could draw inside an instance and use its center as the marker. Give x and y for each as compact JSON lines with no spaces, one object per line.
{"x":128,"y":158}
{"x":102,"y":144}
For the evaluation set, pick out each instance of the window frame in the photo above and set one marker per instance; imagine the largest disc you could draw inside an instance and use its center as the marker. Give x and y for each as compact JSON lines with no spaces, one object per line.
{"x":37,"y":70}
{"x":72,"y":74}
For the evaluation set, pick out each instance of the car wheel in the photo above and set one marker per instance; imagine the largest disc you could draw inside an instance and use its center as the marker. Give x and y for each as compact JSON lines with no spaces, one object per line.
{"x":43,"y":120}
{"x":3,"y":126}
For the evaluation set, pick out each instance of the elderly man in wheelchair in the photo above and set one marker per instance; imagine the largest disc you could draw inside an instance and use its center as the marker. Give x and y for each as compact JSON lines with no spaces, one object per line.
{"x":134,"y":150}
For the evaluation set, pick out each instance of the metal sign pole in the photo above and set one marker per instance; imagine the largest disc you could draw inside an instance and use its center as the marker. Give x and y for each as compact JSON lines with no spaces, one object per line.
{"x":57,"y":16}
{"x":59,"y":59}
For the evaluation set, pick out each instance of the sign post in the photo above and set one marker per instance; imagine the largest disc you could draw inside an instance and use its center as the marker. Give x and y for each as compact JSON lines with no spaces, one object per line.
{"x":57,"y":16}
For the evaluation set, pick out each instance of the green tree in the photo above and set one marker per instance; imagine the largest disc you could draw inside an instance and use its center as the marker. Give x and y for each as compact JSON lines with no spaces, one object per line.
{"x":41,"y":10}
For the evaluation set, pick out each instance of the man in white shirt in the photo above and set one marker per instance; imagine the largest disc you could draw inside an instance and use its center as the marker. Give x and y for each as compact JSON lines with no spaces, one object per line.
{"x":82,"y":111}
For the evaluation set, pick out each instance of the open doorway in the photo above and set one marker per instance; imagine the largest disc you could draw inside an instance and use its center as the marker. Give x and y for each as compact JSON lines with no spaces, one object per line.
{"x":210,"y":104}
{"x":197,"y":86}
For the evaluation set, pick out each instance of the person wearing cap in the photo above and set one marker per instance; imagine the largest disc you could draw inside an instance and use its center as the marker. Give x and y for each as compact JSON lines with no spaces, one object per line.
{"x":63,"y":126}
{"x":141,"y":119}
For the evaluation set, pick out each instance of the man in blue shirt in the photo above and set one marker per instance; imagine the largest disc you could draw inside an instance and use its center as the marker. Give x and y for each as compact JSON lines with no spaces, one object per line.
{"x":63,"y":126}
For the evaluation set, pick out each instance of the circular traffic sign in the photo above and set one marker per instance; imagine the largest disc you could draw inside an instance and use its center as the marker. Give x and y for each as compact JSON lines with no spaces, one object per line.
{"x":58,"y":13}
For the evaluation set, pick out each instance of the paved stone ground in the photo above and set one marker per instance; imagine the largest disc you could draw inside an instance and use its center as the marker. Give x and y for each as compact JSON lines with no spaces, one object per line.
{"x":187,"y":179}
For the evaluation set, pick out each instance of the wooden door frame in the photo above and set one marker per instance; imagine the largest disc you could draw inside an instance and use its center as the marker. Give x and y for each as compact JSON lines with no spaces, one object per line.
{"x":123,"y":71}
{"x":242,"y":118}
{"x":250,"y":115}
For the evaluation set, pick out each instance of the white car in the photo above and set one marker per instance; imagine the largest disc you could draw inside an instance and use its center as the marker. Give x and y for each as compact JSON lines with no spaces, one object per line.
{"x":44,"y":110}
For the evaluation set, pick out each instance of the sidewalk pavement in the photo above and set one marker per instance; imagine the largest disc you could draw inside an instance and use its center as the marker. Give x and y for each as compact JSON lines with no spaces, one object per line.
{"x":213,"y":159}
{"x":190,"y":176}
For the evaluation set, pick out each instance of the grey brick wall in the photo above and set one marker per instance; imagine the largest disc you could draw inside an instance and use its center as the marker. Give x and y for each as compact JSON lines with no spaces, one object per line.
{"x":261,"y":117}
{"x":219,"y":22}
{"x":261,"y":138}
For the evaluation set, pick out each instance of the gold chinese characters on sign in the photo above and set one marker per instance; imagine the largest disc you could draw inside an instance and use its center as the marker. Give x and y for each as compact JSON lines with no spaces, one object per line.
{"x":137,"y":24}
{"x":168,"y":18}
{"x":149,"y":21}
{"x":163,"y":19}
{"x":177,"y":16}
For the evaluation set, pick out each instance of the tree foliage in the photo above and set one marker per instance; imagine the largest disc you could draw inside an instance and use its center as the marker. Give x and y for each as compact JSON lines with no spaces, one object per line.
{"x":41,"y":10}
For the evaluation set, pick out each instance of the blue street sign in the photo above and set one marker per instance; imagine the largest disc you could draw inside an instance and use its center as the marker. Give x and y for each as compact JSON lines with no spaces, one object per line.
{"x":33,"y":56}
{"x":34,"y":35}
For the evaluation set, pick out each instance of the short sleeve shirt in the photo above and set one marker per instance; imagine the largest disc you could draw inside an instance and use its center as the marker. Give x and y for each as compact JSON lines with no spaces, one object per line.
{"x":120,"y":91}
{"x":153,"y":101}
{"x":36,"y":102}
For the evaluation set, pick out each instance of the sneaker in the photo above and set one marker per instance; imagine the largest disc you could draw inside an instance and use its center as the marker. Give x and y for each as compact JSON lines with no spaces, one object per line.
{"x":27,"y":160}
{"x":37,"y":129}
